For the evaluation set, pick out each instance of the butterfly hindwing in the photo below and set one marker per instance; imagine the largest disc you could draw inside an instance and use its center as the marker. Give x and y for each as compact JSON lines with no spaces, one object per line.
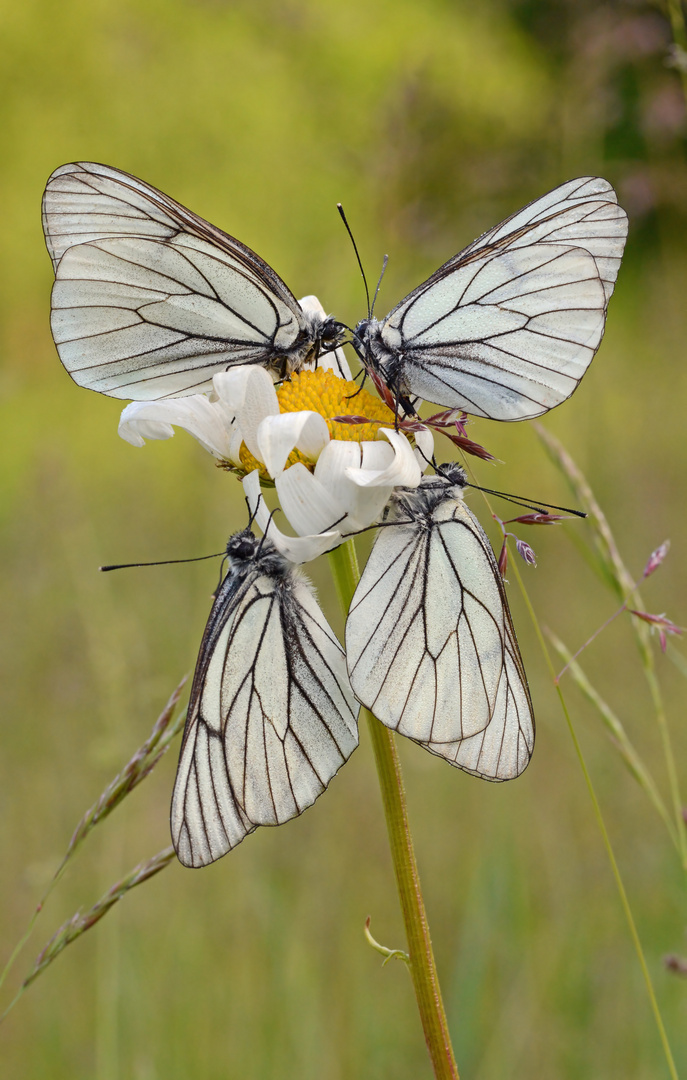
{"x":430,"y":643}
{"x":271,"y":716}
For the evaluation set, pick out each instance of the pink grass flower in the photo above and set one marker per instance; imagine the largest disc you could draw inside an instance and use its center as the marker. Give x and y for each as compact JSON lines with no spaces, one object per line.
{"x":661,"y":622}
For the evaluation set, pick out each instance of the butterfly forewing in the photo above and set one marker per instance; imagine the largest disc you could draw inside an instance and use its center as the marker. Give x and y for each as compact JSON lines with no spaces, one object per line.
{"x":507,"y":328}
{"x":150,"y":300}
{"x":583,"y":212}
{"x":271,"y":716}
{"x":430,"y":644}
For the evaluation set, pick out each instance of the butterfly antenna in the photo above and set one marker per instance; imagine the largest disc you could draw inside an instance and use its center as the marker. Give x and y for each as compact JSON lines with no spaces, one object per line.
{"x":251,"y":513}
{"x":380,"y":525}
{"x":162,"y":562}
{"x":334,"y":349}
{"x":374,"y":301}
{"x":340,"y":208}
{"x":221,"y":574}
{"x":518,"y":500}
{"x":269,"y":522}
{"x":430,"y":461}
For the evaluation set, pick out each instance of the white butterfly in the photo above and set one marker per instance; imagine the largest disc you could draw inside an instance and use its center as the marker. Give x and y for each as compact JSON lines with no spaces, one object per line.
{"x":271,"y":717}
{"x":507,"y":328}
{"x":430,"y":644}
{"x":151,"y":301}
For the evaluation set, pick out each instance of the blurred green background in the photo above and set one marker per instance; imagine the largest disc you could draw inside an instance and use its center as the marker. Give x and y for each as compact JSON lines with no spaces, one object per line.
{"x":430,"y":121}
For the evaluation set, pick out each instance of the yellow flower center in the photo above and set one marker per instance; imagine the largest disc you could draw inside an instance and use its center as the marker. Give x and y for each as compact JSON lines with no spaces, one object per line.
{"x":323,"y":392}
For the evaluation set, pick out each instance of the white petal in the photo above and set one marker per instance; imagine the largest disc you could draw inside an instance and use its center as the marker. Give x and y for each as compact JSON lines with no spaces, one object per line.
{"x":278,"y":435}
{"x":402,"y":471}
{"x":235,"y":444}
{"x":332,"y":463}
{"x":297,"y":549}
{"x":335,"y":361}
{"x":137,"y":431}
{"x":424,"y":448}
{"x":311,"y":303}
{"x":230,"y":386}
{"x":308,"y":504}
{"x":332,"y":361}
{"x":208,"y":422}
{"x":376,"y":456}
{"x":337,"y":464}
{"x":260,"y":400}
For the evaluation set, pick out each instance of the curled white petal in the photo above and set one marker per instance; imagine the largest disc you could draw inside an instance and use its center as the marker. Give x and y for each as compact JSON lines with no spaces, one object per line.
{"x":208,"y":422}
{"x":229,"y":387}
{"x":136,"y":431}
{"x":260,"y":400}
{"x":338,"y":463}
{"x":332,"y":361}
{"x":277,"y":436}
{"x":403,"y":470}
{"x":297,"y":549}
{"x":376,"y":456}
{"x":424,"y":448}
{"x":307,"y":503}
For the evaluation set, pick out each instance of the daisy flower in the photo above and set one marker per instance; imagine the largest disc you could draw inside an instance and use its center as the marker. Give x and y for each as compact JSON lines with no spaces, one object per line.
{"x":332,"y":478}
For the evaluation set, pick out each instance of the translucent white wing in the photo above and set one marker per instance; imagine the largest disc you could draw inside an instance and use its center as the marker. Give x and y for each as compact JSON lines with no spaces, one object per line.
{"x":431,"y":648}
{"x":507,"y":328}
{"x":149,"y":299}
{"x":582,"y":213}
{"x":84,"y":201}
{"x":271,"y":716}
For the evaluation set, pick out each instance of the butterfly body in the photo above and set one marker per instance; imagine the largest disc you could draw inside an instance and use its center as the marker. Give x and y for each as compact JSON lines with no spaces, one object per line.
{"x":150,"y":300}
{"x":507,"y":328}
{"x":430,"y":644}
{"x":271,"y":716}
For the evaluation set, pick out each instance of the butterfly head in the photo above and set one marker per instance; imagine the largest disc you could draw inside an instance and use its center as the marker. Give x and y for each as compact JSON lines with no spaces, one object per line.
{"x":367,"y":342}
{"x":242,"y":546}
{"x":318,"y":334}
{"x":449,"y":482}
{"x":244,"y":549}
{"x":452,"y":472}
{"x":330,"y":333}
{"x":378,"y":349}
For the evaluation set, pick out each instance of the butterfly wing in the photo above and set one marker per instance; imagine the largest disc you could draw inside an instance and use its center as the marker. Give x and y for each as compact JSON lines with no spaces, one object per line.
{"x":507,"y":328}
{"x":431,"y":648}
{"x":581,"y":213}
{"x":271,"y":716}
{"x":149,"y":299}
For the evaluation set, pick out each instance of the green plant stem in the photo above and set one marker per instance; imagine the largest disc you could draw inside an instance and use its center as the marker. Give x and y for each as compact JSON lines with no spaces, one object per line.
{"x":615,"y":869}
{"x":615,"y":571}
{"x":422,"y":966}
{"x":618,"y":737}
{"x":676,"y":798}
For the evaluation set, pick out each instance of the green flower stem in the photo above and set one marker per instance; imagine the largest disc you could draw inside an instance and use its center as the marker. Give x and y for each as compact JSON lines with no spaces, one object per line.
{"x":344,"y":564}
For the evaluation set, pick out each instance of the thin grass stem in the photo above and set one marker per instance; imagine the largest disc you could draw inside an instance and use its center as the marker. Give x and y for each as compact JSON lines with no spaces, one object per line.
{"x":615,"y":869}
{"x":129,"y":777}
{"x":421,"y":963}
{"x":81,"y":922}
{"x":619,"y":738}
{"x":626,"y":587}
